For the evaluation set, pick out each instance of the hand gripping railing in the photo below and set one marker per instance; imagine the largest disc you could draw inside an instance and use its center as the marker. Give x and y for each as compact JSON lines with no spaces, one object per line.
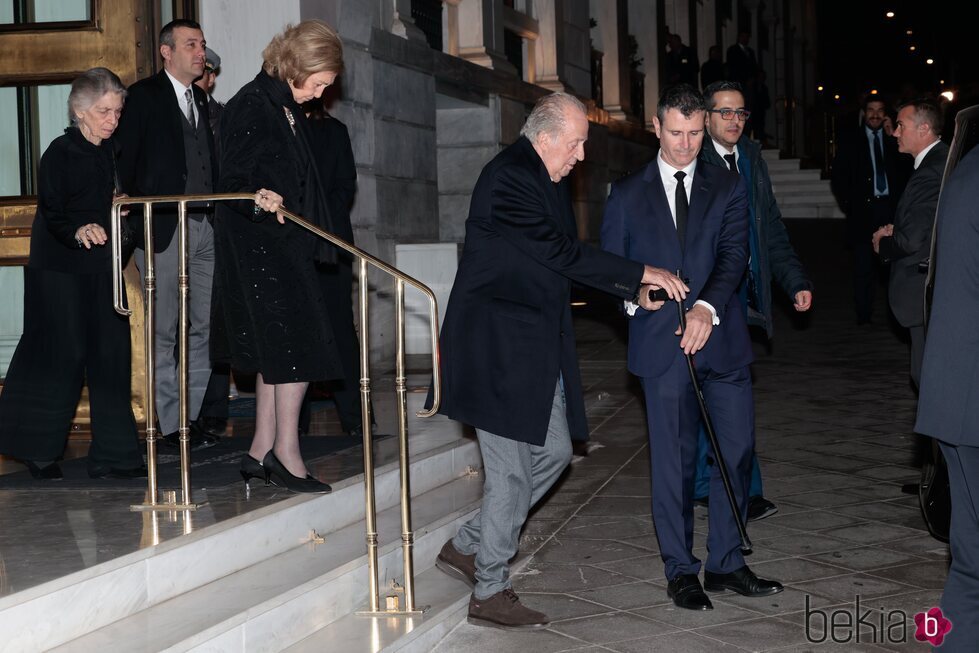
{"x":149,"y":284}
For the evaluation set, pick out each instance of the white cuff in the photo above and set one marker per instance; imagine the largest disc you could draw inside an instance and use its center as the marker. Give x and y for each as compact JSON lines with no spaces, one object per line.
{"x":710,"y":308}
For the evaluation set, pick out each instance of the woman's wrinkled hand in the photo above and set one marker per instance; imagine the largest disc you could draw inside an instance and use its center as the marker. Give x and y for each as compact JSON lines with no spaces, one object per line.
{"x":91,"y":234}
{"x":270,"y":201}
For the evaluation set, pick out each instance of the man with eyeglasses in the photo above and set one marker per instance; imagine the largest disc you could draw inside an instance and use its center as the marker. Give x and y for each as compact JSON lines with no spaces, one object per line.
{"x":771,"y":253}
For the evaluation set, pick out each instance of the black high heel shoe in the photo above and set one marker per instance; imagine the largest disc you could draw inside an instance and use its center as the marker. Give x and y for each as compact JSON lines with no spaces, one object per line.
{"x":278,"y":475}
{"x":251,"y":468}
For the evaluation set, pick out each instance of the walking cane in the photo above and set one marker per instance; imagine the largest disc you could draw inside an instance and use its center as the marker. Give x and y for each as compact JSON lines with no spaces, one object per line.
{"x":660,"y":295}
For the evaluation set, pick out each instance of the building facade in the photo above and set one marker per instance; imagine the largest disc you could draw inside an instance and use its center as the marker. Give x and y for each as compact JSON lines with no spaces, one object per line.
{"x":432,"y":90}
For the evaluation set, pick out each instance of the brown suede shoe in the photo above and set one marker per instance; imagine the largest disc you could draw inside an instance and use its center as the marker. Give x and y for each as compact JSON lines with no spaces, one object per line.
{"x":458,"y":565}
{"x":505,"y":611}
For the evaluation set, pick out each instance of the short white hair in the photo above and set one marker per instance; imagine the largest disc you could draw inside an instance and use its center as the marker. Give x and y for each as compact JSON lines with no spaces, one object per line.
{"x":548,"y":115}
{"x":89,"y":87}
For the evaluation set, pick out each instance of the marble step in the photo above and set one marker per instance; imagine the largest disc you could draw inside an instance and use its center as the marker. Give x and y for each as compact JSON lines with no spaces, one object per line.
{"x":806,"y":186}
{"x":53,"y":613}
{"x":446,"y":603}
{"x":283,"y":600}
{"x":782,"y":177}
{"x":782,"y":165}
{"x":824,"y":210}
{"x":788,"y":199}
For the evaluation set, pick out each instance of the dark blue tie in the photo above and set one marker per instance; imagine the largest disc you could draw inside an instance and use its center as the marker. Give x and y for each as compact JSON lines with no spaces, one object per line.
{"x":880,"y":180}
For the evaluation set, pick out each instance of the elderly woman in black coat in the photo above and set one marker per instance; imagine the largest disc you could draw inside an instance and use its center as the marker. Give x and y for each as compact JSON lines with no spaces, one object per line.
{"x":71,"y":332}
{"x":272,"y":319}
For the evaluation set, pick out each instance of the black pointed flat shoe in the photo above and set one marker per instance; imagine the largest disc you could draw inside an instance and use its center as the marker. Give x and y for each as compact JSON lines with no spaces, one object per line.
{"x":50,"y":472}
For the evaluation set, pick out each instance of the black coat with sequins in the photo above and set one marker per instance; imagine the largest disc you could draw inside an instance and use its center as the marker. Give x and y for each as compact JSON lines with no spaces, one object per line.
{"x":269,"y":313}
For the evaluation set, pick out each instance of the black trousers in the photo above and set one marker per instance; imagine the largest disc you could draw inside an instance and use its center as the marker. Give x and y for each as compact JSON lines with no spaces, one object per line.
{"x":72,"y":335}
{"x":866,"y":264}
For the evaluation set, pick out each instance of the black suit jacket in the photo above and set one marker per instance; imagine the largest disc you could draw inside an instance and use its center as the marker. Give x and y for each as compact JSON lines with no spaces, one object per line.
{"x":948,"y":404}
{"x":507,"y":333}
{"x":151,"y":150}
{"x":853,"y":173}
{"x":742,"y":65}
{"x":911,"y":242}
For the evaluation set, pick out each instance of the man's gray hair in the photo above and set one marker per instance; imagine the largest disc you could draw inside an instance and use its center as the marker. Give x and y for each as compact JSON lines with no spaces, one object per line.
{"x":89,"y":87}
{"x":548,"y":115}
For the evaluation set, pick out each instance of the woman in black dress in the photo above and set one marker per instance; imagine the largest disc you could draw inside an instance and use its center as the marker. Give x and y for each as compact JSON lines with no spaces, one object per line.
{"x":71,"y":331}
{"x":273,"y":320}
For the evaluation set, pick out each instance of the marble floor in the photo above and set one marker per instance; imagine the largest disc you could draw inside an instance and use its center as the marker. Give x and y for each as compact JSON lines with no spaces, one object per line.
{"x":49,"y":533}
{"x":834,"y":417}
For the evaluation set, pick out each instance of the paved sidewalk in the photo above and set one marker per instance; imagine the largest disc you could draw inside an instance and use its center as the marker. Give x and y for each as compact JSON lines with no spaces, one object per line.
{"x":834,"y":415}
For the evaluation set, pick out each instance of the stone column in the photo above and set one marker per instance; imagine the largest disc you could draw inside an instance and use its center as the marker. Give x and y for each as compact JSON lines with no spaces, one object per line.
{"x":642,"y":20}
{"x":706,"y":29}
{"x":481,"y":34}
{"x":610,"y":16}
{"x":549,"y":47}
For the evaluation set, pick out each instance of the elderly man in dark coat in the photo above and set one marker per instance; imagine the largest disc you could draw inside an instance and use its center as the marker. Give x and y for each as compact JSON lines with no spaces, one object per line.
{"x":507,"y":346}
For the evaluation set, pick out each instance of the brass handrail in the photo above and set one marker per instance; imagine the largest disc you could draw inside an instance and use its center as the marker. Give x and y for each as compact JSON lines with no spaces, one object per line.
{"x":149,"y":284}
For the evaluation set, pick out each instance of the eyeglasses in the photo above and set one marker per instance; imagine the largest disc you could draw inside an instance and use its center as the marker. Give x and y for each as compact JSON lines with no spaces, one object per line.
{"x":728,"y":114}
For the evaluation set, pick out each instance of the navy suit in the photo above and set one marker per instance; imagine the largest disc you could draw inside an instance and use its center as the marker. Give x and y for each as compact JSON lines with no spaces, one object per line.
{"x":948,"y":404}
{"x":638,"y":224}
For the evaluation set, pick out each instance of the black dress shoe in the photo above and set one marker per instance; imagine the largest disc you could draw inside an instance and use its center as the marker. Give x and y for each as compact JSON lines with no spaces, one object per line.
{"x":743,"y":581}
{"x":759,"y":507}
{"x":198,"y":439}
{"x":215,"y":426}
{"x":50,"y":472}
{"x":686,"y":592}
{"x":251,"y":468}
{"x":277,"y":474}
{"x":122,"y":474}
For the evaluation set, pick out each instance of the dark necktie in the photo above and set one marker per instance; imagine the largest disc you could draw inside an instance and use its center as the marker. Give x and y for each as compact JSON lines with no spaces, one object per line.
{"x":880,"y":179}
{"x":682,"y":207}
{"x":732,"y":162}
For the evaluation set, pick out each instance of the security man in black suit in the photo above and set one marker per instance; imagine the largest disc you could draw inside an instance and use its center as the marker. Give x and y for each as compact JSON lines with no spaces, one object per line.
{"x":867,"y":193}
{"x":907,"y":242}
{"x":167,"y":148}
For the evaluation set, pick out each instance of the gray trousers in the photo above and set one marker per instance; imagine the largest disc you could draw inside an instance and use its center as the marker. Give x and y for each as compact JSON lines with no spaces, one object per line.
{"x":517,"y":475}
{"x":200,"y":250}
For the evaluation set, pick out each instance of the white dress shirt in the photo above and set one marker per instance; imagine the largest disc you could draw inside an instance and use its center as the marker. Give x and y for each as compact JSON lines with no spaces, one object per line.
{"x":923,"y":153}
{"x":180,"y":91}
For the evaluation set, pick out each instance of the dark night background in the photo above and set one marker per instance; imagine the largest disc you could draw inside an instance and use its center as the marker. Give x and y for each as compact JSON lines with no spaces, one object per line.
{"x":861,"y":49}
